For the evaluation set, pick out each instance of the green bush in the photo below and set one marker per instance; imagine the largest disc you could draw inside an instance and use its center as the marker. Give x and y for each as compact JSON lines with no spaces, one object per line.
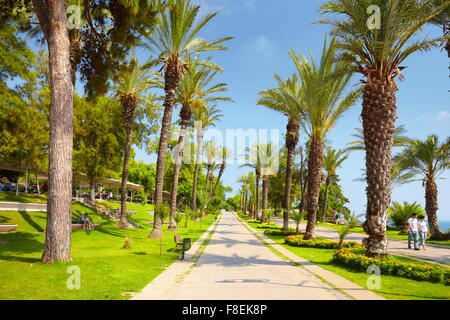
{"x":271,"y":226}
{"x":289,"y":232}
{"x":357,"y":260}
{"x":400,"y":213}
{"x":297,"y":241}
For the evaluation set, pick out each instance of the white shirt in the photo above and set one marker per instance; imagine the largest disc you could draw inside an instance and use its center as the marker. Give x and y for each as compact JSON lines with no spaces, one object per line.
{"x":422,"y":226}
{"x":413,"y":225}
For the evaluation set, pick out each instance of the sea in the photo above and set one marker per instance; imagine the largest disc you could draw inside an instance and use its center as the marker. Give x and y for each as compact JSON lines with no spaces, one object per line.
{"x":445,"y":225}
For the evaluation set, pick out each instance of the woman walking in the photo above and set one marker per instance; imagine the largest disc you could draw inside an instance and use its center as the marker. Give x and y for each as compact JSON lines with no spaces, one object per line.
{"x":423,"y":231}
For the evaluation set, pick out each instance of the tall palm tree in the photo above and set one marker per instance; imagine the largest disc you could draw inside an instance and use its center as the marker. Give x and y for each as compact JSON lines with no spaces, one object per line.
{"x":225,"y":154}
{"x":331,"y":162}
{"x":131,"y":82}
{"x":253,"y":161}
{"x":269,"y":158}
{"x":211,"y":152}
{"x":206,"y":117}
{"x":377,"y":53}
{"x":174,"y":39}
{"x":323,"y":98}
{"x":193,"y":92}
{"x":277,"y":99}
{"x":426,"y":161}
{"x":443,"y":20}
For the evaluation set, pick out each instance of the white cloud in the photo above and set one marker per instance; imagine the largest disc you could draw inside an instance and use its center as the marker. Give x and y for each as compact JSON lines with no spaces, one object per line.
{"x":443,"y":115}
{"x":263,"y":45}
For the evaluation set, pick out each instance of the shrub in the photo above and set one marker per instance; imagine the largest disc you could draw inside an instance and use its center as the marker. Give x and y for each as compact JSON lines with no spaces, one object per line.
{"x":289,"y":232}
{"x":357,"y":260}
{"x":400,"y":213}
{"x":297,"y":241}
{"x":271,"y":226}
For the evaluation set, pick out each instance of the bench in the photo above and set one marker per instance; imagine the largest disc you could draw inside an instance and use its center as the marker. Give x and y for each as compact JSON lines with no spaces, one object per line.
{"x":79,"y":226}
{"x":7,"y":227}
{"x":184,"y":243}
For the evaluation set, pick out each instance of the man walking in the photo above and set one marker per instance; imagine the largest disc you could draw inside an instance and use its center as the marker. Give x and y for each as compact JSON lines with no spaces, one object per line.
{"x":413,"y":232}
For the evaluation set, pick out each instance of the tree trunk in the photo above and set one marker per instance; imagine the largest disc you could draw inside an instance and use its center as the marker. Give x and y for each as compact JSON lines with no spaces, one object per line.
{"x":325,"y":205}
{"x":431,"y":207}
{"x":256,"y":211}
{"x":59,"y":221}
{"x":315,"y":164}
{"x":176,"y":174}
{"x":37,"y":184}
{"x":221,"y":171}
{"x":292,"y":133}
{"x":378,"y":115}
{"x":92,"y":189}
{"x":172,"y":78}
{"x":197,"y":169}
{"x":123,"y":223}
{"x":265,"y":194}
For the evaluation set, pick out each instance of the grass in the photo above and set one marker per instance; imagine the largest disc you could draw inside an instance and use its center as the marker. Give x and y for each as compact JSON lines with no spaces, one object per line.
{"x":141,"y":217}
{"x":107,"y":270}
{"x":22,"y":197}
{"x":393,"y":288}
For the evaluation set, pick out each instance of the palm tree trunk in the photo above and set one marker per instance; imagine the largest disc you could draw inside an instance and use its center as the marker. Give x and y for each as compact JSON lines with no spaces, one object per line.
{"x":210,"y":186}
{"x":325,"y":204}
{"x":123,"y":223}
{"x":53,"y":22}
{"x":197,"y":169}
{"x":257,"y":193}
{"x":172,"y":78}
{"x":221,"y":171}
{"x":265,"y":194}
{"x":315,"y":164}
{"x":431,"y":207}
{"x":378,"y":115}
{"x":208,"y":180}
{"x":37,"y":184}
{"x":292,"y":133}
{"x":176,"y":174}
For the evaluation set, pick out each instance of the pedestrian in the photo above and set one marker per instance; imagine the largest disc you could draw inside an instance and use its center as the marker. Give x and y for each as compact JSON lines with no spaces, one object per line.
{"x":413,"y":231}
{"x":423,"y":231}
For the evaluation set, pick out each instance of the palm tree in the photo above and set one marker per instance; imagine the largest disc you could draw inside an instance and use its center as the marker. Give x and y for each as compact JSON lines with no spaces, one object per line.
{"x":331,"y":162}
{"x":426,"y":161}
{"x":207,"y":116}
{"x":253,"y":161}
{"x":400,"y":213}
{"x":377,"y":53}
{"x":277,"y":99}
{"x":132,"y":82}
{"x":174,"y":40}
{"x":323,"y":86}
{"x":269,"y":158}
{"x":443,"y":20}
{"x":193,"y":92}
{"x":210,"y":150}
{"x":225,"y":154}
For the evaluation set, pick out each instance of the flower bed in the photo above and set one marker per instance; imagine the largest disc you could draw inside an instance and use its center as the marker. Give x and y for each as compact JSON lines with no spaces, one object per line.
{"x":289,"y":232}
{"x":357,"y":260}
{"x":268,"y":226}
{"x":297,"y":241}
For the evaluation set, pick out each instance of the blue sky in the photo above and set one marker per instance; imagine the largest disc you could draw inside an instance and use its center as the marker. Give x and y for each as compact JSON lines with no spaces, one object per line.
{"x":264,"y":31}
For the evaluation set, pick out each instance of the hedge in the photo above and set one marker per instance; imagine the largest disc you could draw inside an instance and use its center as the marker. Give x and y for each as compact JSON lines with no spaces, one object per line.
{"x":297,"y":241}
{"x":289,"y":232}
{"x":357,"y":260}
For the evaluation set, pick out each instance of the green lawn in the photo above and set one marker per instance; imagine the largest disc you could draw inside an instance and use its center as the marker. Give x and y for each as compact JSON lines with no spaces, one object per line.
{"x":107,"y":270}
{"x":22,"y":197}
{"x":394,"y":288}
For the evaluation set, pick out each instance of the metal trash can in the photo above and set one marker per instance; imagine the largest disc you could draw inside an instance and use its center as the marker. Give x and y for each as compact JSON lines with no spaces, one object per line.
{"x":187,"y":243}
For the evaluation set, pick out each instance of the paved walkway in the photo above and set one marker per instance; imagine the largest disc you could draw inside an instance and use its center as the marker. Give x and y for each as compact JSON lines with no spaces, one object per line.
{"x":235,"y":265}
{"x":18,"y":206}
{"x":439,"y":254}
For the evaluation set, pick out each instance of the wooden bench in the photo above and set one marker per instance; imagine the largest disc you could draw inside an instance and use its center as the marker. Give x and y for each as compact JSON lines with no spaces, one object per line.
{"x":7,"y":227}
{"x":79,"y":226}
{"x":178,"y":240}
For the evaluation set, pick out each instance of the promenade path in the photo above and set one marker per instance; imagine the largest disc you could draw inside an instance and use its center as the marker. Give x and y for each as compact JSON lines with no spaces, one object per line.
{"x":434,"y":253}
{"x":236,"y":265}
